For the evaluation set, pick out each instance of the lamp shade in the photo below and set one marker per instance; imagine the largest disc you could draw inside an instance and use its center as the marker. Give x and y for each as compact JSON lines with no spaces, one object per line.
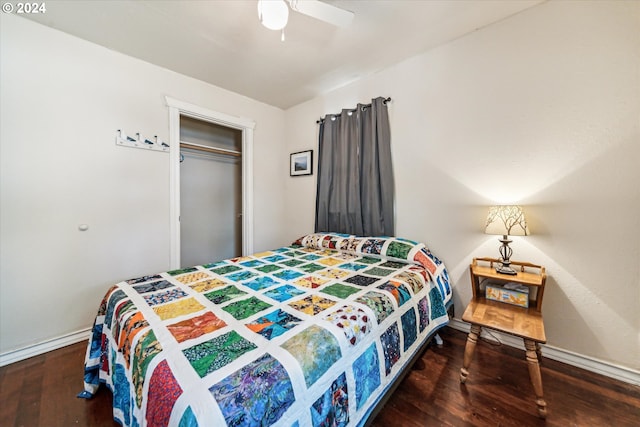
{"x":506,"y":220}
{"x":273,"y":14}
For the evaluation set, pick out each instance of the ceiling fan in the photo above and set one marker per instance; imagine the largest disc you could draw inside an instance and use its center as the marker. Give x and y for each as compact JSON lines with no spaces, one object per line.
{"x":274,"y":14}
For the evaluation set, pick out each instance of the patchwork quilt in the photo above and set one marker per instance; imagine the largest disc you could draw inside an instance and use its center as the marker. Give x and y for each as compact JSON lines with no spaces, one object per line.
{"x":311,"y":334}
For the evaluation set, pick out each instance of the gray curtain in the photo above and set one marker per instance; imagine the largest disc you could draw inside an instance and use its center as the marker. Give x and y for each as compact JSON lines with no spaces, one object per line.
{"x":355,"y":177}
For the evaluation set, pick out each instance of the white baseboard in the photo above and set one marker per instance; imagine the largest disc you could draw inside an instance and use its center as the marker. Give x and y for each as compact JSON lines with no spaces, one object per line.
{"x":601,"y":367}
{"x":44,"y":347}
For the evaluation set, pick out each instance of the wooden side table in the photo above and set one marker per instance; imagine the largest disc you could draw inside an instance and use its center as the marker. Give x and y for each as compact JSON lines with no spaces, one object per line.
{"x":522,"y":322}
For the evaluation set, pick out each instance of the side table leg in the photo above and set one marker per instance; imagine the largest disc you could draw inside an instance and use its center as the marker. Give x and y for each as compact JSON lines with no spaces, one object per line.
{"x":469,"y":348}
{"x":534,"y":374}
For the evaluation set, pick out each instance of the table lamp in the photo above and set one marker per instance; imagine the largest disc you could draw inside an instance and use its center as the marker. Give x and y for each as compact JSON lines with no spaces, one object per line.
{"x":506,"y":220}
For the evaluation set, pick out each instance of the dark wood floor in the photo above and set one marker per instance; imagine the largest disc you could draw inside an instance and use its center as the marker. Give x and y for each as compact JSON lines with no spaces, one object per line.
{"x":41,"y":391}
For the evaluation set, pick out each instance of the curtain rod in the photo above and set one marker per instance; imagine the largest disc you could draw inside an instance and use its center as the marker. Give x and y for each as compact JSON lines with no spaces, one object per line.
{"x":385,"y":101}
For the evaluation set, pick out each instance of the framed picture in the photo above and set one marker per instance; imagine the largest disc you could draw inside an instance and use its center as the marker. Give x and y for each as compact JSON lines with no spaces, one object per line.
{"x":301,"y":163}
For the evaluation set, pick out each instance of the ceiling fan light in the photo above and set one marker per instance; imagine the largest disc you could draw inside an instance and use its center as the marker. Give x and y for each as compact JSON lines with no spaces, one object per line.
{"x":273,"y":14}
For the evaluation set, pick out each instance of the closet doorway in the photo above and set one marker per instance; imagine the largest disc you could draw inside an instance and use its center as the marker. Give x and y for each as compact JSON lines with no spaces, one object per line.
{"x":210,"y":192}
{"x":211,"y":195}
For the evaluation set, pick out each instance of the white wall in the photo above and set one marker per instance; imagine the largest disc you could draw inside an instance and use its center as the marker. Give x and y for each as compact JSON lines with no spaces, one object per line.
{"x":62,"y":100}
{"x":541,"y":109}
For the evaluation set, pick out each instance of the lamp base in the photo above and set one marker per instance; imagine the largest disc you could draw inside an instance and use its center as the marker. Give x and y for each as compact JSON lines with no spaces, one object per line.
{"x":505,"y":269}
{"x":505,"y":254}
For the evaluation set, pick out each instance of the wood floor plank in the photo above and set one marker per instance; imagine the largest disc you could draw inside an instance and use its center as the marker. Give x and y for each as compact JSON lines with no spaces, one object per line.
{"x":41,"y":391}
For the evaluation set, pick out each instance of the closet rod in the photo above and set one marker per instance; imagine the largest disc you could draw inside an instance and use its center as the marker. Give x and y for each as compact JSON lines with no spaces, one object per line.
{"x":199,"y":147}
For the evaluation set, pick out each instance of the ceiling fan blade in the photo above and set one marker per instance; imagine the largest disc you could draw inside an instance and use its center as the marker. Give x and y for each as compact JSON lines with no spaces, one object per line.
{"x":323,"y":11}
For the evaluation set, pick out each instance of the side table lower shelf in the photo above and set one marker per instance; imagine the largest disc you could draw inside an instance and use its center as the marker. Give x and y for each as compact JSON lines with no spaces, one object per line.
{"x":522,"y":322}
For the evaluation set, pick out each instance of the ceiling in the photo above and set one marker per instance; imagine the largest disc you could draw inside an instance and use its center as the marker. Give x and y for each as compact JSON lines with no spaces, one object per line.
{"x":222,"y":41}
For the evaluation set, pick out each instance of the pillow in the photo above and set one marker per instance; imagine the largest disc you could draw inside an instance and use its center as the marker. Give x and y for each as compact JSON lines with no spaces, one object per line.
{"x":391,"y":248}
{"x":382,"y":247}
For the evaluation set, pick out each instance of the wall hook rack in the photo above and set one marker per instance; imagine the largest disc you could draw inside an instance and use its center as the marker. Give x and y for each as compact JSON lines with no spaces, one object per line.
{"x":139,"y":141}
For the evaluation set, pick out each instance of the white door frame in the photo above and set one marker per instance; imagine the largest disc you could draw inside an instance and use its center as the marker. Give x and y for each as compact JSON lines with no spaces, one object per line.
{"x":178,"y":108}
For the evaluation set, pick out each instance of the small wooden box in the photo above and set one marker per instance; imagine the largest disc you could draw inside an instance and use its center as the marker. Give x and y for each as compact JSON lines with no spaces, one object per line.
{"x":497,"y":292}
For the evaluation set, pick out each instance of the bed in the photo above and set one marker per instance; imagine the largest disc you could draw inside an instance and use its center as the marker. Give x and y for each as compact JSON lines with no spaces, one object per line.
{"x":312,"y":334}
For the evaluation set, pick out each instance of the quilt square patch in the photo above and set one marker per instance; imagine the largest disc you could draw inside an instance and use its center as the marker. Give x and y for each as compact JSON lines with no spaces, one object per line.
{"x":332,"y":408}
{"x":214,"y":265}
{"x":412,"y":279}
{"x":353,"y":266}
{"x":294,"y":253}
{"x":269,"y":268}
{"x":164,"y":390}
{"x":221,"y":296}
{"x":330,"y":261}
{"x":399,"y":250}
{"x":164,"y":297}
{"x":423,"y":259}
{"x":121,"y":310}
{"x":263,"y":254}
{"x":423,"y":313}
{"x":181,"y":271}
{"x":196,"y":326}
{"x":443,"y":283}
{"x":354,"y":322}
{"x":252,"y":264}
{"x":390,"y":340}
{"x":310,"y":282}
{"x":361,"y":280}
{"x":211,"y":355}
{"x":192,"y":277}
{"x":287,"y":274}
{"x":345,"y":256}
{"x":310,"y":268}
{"x":339,"y":290}
{"x":143,"y":279}
{"x":241,"y":395}
{"x":132,"y":326}
{"x":260,"y":283}
{"x":226,"y":269}
{"x":109,"y":306}
{"x":283,"y":293}
{"x":379,"y":303}
{"x":178,"y":308}
{"x":409,"y":328}
{"x":377,"y":271}
{"x":334,"y":273}
{"x":273,"y":324}
{"x":372,"y":246}
{"x":146,"y":350}
{"x":398,"y":290}
{"x":153,"y":286}
{"x":437,"y":307}
{"x":393,"y":264}
{"x":241,"y":275}
{"x":366,"y":371}
{"x":292,"y":262}
{"x":207,"y":285}
{"x":315,"y":349}
{"x":246,"y":307}
{"x":274,"y":258}
{"x":368,"y":260}
{"x":312,"y":304}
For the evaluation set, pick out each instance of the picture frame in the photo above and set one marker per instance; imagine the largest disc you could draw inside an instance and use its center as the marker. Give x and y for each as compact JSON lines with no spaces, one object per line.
{"x":301,"y":163}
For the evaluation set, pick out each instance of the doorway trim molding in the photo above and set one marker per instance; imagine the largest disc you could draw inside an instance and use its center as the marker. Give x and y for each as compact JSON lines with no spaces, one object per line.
{"x":179,"y":108}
